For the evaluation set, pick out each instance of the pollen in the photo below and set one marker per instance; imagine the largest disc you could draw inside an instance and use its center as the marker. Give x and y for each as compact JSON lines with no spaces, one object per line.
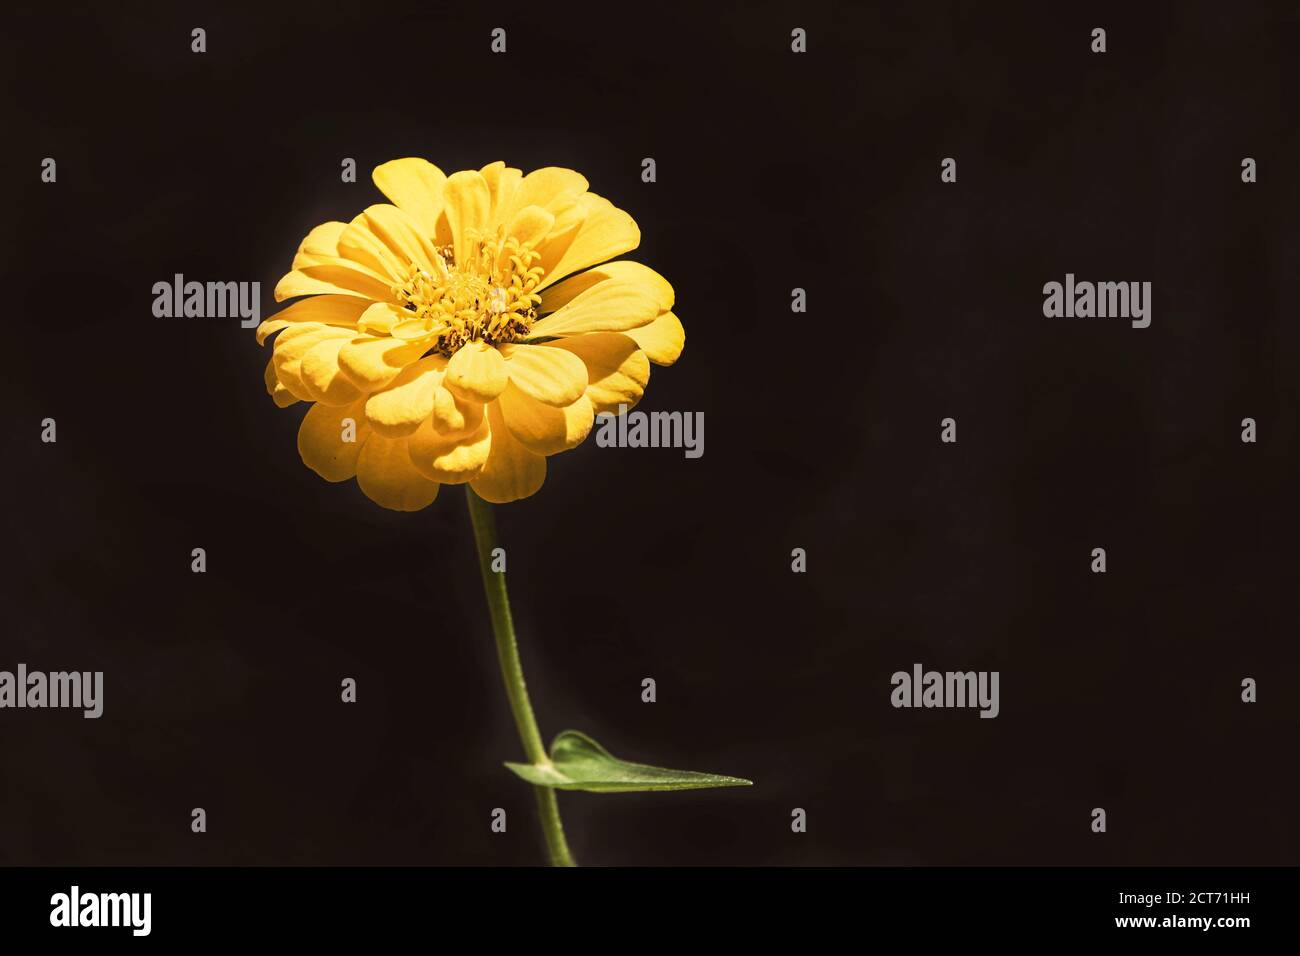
{"x":490,"y":297}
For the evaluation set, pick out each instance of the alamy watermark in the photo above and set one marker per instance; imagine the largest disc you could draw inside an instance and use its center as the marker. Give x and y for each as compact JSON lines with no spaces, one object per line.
{"x":208,"y":300}
{"x":922,"y":688}
{"x":626,"y":429}
{"x":1102,"y":300}
{"x":76,"y":908}
{"x":82,"y":690}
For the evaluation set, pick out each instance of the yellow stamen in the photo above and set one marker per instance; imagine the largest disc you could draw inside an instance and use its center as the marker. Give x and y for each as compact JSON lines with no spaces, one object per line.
{"x":491,"y":296}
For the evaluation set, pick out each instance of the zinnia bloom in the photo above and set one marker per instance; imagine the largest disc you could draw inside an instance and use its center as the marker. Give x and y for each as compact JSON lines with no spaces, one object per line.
{"x":465,"y":332}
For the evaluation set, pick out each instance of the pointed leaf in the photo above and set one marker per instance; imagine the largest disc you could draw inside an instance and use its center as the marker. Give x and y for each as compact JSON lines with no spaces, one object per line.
{"x":579,"y":763}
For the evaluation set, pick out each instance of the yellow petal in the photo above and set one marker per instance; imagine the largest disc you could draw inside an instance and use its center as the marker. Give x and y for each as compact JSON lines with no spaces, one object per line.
{"x":624,"y":272}
{"x":380,"y":318}
{"x":511,"y":471}
{"x":554,"y":188}
{"x":410,"y":329}
{"x":321,"y":440}
{"x":340,"y":310}
{"x":281,"y":395}
{"x":389,"y":479}
{"x":503,"y":181}
{"x":290,"y":348}
{"x":477,"y":371}
{"x":545,"y":429}
{"x":552,"y":376}
{"x":530,"y":226}
{"x":283,"y":398}
{"x":605,"y":233}
{"x":454,"y":416}
{"x":334,"y":277}
{"x":400,"y":235}
{"x":321,"y":245}
{"x":662,"y":340}
{"x":374,"y":361}
{"x":321,"y":374}
{"x":361,"y":246}
{"x":398,"y":410}
{"x":617,"y":370}
{"x":609,"y":306}
{"x":468,"y":205}
{"x":452,"y":461}
{"x":415,"y":186}
{"x":563,"y":231}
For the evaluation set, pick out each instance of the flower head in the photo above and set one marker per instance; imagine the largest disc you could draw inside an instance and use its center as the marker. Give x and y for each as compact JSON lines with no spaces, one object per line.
{"x":464,"y":332}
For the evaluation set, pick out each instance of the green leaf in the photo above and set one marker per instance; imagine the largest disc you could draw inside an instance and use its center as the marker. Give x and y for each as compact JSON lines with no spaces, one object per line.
{"x":579,"y":763}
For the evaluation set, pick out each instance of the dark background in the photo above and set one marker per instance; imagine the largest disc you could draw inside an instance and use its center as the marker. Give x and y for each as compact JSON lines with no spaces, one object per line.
{"x":822,"y":431}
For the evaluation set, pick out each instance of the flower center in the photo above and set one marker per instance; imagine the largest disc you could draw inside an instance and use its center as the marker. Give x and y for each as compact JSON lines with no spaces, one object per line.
{"x":490,"y":296}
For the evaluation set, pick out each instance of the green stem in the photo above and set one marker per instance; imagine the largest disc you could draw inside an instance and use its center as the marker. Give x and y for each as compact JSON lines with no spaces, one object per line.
{"x":512,"y":673}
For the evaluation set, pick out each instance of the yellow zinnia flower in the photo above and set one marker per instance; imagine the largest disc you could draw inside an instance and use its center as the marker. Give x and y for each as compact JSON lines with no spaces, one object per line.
{"x":465,"y":332}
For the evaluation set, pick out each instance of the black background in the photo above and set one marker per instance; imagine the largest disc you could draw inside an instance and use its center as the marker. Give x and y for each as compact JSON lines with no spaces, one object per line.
{"x":775,"y":170}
